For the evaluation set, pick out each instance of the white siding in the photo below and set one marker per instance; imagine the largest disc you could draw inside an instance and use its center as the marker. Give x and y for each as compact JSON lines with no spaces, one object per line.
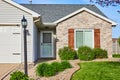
{"x":12,"y":14}
{"x":35,"y":43}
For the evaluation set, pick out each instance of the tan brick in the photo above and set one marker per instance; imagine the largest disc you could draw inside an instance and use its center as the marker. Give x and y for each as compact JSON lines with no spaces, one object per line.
{"x":85,"y":20}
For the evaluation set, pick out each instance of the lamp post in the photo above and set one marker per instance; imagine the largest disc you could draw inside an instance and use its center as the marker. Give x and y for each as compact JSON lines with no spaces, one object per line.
{"x":24,"y":25}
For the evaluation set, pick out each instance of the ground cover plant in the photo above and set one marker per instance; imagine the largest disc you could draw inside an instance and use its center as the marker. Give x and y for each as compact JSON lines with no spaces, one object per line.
{"x":98,"y":71}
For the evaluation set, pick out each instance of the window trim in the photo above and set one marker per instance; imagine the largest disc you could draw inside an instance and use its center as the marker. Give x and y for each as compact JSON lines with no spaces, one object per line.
{"x":83,"y":31}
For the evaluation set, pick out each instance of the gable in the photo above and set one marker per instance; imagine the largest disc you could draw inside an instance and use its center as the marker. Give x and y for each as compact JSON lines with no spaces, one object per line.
{"x":34,"y":14}
{"x":83,"y":20}
{"x":89,"y":11}
{"x":11,"y":14}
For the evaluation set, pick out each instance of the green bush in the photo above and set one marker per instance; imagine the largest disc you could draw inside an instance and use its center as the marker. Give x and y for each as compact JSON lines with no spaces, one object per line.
{"x":100,"y":53}
{"x":66,"y":64}
{"x":85,"y":53}
{"x":57,"y":66}
{"x":17,"y":75}
{"x":45,"y":69}
{"x":116,"y":55}
{"x":40,"y":69}
{"x":49,"y":71}
{"x":67,"y":54}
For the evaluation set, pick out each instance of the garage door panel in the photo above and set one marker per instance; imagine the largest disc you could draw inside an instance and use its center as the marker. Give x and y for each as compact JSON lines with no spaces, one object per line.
{"x":10,"y":44}
{"x":15,"y":54}
{"x":10,"y":59}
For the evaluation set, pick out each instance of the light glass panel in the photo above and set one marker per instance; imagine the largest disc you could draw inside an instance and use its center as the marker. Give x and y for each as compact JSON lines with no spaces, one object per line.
{"x":79,"y":38}
{"x":47,"y":37}
{"x":47,"y":50}
{"x":88,"y":39}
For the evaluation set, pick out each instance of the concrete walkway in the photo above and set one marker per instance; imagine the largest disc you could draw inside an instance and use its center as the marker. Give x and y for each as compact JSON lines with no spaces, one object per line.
{"x":5,"y":69}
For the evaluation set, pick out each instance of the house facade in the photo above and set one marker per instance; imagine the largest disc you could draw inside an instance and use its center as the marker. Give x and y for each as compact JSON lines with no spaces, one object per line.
{"x":51,"y":27}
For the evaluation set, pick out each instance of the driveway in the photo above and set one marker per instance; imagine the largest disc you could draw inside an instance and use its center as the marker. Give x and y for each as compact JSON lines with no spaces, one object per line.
{"x":5,"y":69}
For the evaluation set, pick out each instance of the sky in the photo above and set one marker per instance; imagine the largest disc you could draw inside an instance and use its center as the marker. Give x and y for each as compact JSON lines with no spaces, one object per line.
{"x":110,"y":11}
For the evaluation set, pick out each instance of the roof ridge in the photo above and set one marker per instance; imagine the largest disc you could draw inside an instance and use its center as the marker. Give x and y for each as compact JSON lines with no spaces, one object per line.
{"x":59,"y":4}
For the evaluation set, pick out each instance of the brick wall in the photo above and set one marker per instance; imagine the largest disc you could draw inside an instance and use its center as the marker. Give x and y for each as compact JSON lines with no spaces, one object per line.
{"x":85,"y":20}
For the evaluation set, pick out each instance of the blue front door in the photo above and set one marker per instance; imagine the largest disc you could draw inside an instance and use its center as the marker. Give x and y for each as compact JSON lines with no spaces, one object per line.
{"x":46,"y":44}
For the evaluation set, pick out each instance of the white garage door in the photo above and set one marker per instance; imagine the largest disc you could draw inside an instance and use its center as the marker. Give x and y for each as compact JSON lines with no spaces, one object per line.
{"x":10,"y":44}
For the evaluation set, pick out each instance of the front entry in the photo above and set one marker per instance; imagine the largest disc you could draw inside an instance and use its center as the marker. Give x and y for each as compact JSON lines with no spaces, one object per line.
{"x":46,"y":44}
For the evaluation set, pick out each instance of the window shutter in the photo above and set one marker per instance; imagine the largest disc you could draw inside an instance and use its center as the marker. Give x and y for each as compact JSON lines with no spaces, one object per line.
{"x":71,"y":38}
{"x":97,"y":38}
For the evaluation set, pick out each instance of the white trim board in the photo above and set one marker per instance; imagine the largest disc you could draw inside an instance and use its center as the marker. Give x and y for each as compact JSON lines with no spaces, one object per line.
{"x":88,"y":10}
{"x":9,"y":24}
{"x":34,"y":14}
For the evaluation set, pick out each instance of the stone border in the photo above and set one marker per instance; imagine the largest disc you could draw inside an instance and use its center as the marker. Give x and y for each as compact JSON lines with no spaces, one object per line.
{"x":65,"y":75}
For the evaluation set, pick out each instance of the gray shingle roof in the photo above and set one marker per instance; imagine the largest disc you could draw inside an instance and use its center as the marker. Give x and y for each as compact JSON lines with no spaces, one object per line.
{"x":54,"y":12}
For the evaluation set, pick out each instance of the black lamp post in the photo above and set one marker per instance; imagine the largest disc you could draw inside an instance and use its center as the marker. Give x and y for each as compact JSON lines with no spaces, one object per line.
{"x":24,"y":25}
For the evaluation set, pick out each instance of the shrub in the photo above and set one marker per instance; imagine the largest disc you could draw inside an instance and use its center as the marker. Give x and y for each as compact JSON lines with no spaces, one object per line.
{"x":85,"y":53}
{"x":100,"y":53}
{"x":57,"y":66}
{"x":116,"y":55}
{"x":40,"y":69}
{"x":49,"y":71}
{"x":67,"y":54}
{"x":45,"y":69}
{"x":17,"y":75}
{"x":66,"y":64}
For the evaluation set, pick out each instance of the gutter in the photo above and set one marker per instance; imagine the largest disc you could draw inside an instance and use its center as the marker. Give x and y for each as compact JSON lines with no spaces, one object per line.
{"x":39,"y":20}
{"x":49,"y":24}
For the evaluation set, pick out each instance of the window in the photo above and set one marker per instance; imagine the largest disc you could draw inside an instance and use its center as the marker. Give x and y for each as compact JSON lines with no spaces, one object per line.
{"x":83,"y":37}
{"x":47,"y":38}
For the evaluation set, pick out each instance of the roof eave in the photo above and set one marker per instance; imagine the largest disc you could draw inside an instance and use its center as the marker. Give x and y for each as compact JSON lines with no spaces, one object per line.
{"x":49,"y":24}
{"x":114,"y":24}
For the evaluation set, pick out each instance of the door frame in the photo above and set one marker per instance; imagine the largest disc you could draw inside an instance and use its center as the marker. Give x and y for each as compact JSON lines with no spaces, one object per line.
{"x":41,"y":41}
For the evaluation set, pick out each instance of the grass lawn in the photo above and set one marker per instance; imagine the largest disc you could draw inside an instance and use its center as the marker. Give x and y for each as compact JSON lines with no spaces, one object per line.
{"x":98,"y":71}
